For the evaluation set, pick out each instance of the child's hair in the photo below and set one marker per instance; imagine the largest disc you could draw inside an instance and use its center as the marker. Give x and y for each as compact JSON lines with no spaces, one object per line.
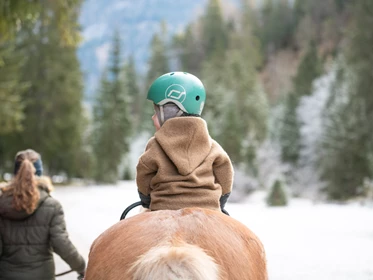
{"x":24,"y":184}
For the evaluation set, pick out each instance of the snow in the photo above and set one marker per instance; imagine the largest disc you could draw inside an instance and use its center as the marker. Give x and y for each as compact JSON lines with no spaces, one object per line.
{"x":304,"y":240}
{"x":310,"y":114}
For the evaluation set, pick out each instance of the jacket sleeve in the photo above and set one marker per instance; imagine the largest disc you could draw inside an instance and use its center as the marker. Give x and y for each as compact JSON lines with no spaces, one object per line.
{"x":144,"y":176}
{"x":146,"y":169}
{"x":223,"y":172}
{"x":61,"y":243}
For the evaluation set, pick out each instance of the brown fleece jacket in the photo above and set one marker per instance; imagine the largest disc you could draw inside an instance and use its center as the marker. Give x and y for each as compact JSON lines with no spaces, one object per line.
{"x":183,"y":167}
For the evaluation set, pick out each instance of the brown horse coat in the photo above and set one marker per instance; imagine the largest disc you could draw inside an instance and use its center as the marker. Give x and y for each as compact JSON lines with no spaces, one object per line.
{"x":190,"y":243}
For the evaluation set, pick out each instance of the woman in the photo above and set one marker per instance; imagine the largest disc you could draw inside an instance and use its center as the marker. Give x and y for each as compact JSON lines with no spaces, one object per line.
{"x":32,"y":225}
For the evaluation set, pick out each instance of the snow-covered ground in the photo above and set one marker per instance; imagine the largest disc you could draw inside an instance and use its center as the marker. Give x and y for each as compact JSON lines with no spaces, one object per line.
{"x":302,"y":241}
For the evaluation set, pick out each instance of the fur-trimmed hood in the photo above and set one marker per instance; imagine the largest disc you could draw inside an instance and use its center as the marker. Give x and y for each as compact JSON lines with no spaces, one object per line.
{"x":6,"y":199}
{"x":45,"y":183}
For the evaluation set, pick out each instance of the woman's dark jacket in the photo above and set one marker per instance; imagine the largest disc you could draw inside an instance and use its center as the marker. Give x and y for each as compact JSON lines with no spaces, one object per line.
{"x":27,"y":241}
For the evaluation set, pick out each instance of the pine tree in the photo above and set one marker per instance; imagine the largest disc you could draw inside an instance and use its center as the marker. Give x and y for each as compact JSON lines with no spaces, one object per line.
{"x":158,"y":62}
{"x":241,"y":76}
{"x":277,"y":25}
{"x":249,"y":102}
{"x":132,"y":88}
{"x":11,"y":107}
{"x":112,"y":126}
{"x":236,"y":108}
{"x":11,"y":104}
{"x":53,"y":122}
{"x":232,"y":136}
{"x":348,"y":144}
{"x":308,"y":70}
{"x":18,"y":14}
{"x":158,"y":65}
{"x":214,"y":31}
{"x":189,"y":50}
{"x":277,"y":195}
{"x":289,"y":135}
{"x":344,"y":163}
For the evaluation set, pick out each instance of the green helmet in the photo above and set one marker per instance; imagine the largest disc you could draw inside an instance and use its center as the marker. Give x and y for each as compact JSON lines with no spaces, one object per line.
{"x":181,"y":88}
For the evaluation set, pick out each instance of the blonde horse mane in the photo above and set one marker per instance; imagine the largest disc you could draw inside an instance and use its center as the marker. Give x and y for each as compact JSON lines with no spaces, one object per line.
{"x":191,"y":243}
{"x":175,"y":262}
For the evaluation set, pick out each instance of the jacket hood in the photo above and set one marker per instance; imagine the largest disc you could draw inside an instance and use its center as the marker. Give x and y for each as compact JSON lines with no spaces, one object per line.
{"x":6,"y":201}
{"x":186,"y":141}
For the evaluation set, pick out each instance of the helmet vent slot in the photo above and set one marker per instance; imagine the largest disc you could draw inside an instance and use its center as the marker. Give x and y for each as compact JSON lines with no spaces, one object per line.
{"x":172,"y":74}
{"x":197,"y":97}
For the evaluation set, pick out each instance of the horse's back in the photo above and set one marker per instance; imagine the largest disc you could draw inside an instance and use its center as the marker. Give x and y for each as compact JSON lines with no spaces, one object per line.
{"x":211,"y":242}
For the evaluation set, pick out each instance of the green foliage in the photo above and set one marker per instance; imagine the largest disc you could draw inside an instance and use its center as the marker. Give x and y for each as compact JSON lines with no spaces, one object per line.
{"x":217,"y":96}
{"x":341,"y":4}
{"x":348,"y":144}
{"x":11,"y":106}
{"x":127,"y":175}
{"x":40,"y":99}
{"x":189,"y":50}
{"x":277,"y":195}
{"x":214,"y":31}
{"x":158,"y":62}
{"x":322,"y":21}
{"x":158,"y":65}
{"x":14,"y":13}
{"x":112,"y":126}
{"x":18,"y":14}
{"x":133,"y":90}
{"x":344,"y":162}
{"x":236,"y":108}
{"x":53,"y":122}
{"x":308,"y":70}
{"x":277,"y":25}
{"x":232,"y":133}
{"x":289,"y":135}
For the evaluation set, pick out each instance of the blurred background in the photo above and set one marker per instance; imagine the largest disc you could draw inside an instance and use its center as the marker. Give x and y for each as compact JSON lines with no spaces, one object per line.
{"x":289,"y":96}
{"x":289,"y":88}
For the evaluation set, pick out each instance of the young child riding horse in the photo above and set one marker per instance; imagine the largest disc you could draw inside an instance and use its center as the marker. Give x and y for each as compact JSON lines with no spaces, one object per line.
{"x":182,"y":166}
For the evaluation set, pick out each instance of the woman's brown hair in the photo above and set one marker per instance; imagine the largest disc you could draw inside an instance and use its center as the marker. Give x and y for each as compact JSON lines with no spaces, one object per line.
{"x":24,"y":184}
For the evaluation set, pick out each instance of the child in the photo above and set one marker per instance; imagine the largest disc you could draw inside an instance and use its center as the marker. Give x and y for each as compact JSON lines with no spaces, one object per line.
{"x":182,"y":165}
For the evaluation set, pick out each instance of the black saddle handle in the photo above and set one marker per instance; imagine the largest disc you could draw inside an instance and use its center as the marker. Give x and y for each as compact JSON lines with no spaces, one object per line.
{"x":64,"y":273}
{"x":129,"y":208}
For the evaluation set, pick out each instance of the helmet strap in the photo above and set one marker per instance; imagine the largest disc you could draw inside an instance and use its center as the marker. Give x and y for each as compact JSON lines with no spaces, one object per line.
{"x":179,"y":113}
{"x":162,"y":114}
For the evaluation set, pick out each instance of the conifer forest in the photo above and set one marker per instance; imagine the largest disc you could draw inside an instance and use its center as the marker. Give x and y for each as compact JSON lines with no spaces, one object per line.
{"x":289,"y":92}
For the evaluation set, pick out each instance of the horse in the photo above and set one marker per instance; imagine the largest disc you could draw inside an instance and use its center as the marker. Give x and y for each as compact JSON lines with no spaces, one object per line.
{"x":190,"y":243}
